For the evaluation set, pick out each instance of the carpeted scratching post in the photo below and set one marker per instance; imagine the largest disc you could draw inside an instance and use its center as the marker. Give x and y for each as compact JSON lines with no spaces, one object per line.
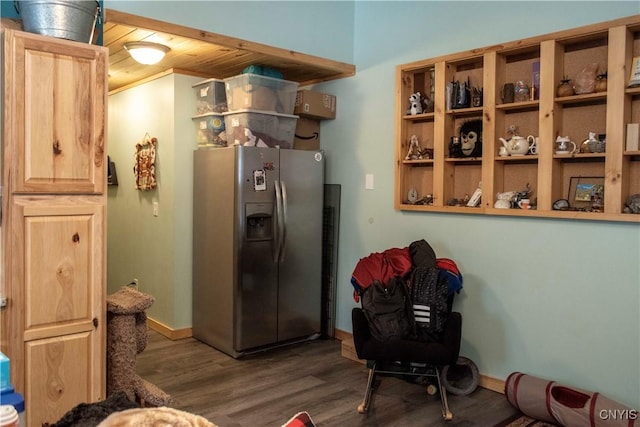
{"x":126,"y":337}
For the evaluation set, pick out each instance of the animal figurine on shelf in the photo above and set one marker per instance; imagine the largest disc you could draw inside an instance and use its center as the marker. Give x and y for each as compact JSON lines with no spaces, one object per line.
{"x":505,"y":200}
{"x":426,"y":153}
{"x":471,"y":138}
{"x":455,"y":148}
{"x":414,"y":152}
{"x":632,"y":205}
{"x":523,"y":194}
{"x":415,"y":104}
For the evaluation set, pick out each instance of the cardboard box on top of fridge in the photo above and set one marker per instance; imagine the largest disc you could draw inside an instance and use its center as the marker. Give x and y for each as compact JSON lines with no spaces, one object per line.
{"x":257,"y":92}
{"x":259,"y":128}
{"x":315,"y":105}
{"x":307,"y":135}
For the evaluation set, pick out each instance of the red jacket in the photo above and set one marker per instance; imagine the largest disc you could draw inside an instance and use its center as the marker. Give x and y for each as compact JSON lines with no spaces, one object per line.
{"x":380,"y":266}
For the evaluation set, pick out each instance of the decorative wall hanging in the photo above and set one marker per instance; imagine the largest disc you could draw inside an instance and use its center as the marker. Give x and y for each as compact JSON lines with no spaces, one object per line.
{"x":144,"y":168}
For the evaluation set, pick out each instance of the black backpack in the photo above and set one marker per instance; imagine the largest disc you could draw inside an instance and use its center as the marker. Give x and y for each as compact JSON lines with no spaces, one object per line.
{"x":388,"y":310}
{"x":430,"y":297}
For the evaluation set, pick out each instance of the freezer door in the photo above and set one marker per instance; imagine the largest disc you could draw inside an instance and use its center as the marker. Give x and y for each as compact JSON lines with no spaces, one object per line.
{"x":256,"y":302}
{"x":299,"y":297}
{"x":214,"y":237}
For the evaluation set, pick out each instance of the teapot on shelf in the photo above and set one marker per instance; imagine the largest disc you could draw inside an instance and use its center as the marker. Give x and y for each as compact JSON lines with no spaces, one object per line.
{"x":564,"y":145}
{"x":518,"y":145}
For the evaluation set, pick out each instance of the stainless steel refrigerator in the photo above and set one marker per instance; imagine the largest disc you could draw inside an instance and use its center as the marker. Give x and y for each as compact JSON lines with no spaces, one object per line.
{"x":257,"y":247}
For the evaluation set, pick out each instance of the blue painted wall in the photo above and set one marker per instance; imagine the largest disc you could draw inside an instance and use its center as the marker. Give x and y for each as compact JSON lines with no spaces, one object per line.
{"x":557,"y":299}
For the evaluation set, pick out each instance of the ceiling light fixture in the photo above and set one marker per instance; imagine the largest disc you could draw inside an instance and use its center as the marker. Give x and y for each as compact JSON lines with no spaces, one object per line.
{"x":146,"y":52}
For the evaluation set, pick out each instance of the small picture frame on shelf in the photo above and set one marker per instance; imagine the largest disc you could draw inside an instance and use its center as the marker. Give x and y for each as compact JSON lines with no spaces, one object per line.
{"x":586,"y":193}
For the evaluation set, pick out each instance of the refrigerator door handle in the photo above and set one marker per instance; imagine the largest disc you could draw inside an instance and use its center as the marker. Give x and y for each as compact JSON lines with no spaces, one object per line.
{"x":279,"y":222}
{"x":283,"y":242}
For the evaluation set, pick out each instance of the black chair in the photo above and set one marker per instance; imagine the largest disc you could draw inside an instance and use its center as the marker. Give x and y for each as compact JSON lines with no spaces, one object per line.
{"x":406,"y":357}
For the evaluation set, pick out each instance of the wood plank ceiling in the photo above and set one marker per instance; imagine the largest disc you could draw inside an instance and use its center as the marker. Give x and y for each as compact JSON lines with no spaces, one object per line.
{"x":202,"y":53}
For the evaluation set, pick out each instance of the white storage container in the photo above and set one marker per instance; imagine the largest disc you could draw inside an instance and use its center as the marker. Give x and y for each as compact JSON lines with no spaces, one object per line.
{"x":260,"y":128}
{"x":210,"y":130}
{"x":256,"y":92}
{"x":211,"y":96}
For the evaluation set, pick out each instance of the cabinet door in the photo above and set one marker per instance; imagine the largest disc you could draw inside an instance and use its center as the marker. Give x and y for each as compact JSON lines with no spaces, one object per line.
{"x":57,"y":287}
{"x":55,"y":95}
{"x":56,"y":376}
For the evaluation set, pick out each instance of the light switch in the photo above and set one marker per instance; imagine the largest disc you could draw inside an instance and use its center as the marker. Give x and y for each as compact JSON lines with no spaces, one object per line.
{"x":368,"y":181}
{"x":155,"y":208}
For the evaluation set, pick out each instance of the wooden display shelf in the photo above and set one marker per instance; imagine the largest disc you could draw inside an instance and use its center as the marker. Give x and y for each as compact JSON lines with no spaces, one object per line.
{"x":530,"y":158}
{"x":519,"y":106}
{"x":418,"y":162}
{"x":611,"y":44}
{"x":463,"y":159}
{"x":583,"y":99}
{"x":419,"y":117}
{"x":466,"y":112}
{"x":580,"y":156}
{"x":633,"y":90}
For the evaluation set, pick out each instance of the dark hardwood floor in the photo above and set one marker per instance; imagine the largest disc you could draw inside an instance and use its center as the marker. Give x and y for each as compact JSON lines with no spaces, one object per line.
{"x":268,"y":388}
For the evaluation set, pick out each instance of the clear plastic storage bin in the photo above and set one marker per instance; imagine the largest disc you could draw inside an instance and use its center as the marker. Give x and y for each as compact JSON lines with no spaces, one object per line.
{"x":256,"y":92}
{"x":210,"y":130}
{"x":260,"y":128}
{"x":211,"y":96}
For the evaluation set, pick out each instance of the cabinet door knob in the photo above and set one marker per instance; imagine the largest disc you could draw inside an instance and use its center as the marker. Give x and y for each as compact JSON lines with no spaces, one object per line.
{"x":76,"y":238}
{"x":56,"y":148}
{"x":95,"y":322}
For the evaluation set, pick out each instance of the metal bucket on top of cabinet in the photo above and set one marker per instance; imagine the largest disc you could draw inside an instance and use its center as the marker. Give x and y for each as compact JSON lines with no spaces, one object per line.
{"x":65,"y":19}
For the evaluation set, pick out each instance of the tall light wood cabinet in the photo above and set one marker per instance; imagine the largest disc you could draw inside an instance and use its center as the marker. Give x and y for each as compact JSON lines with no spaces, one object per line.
{"x":612,"y":45}
{"x":54,"y":207}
